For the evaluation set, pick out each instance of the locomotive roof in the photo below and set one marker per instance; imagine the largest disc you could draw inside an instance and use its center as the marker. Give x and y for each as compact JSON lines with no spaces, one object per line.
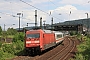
{"x":58,"y":32}
{"x":47,"y":31}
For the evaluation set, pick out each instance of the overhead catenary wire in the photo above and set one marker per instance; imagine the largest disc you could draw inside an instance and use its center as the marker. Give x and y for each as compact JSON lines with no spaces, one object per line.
{"x":53,"y":3}
{"x":33,"y":6}
{"x":50,"y":14}
{"x":13,"y":15}
{"x":22,"y":15}
{"x":38,"y":9}
{"x":13,"y":11}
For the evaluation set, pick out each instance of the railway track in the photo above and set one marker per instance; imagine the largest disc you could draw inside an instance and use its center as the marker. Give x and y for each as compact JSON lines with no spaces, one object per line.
{"x":58,"y":53}
{"x":63,"y":54}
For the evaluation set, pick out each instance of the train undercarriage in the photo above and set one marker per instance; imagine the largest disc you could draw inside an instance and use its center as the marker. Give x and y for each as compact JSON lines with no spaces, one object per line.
{"x":33,"y":51}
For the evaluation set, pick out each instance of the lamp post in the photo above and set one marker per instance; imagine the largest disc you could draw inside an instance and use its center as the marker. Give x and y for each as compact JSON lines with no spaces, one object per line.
{"x":19,"y":20}
{"x":44,"y":24}
{"x":4,"y":27}
{"x":52,"y":23}
{"x":41,"y":22}
{"x":87,"y":15}
{"x":35,"y":18}
{"x":87,"y":22}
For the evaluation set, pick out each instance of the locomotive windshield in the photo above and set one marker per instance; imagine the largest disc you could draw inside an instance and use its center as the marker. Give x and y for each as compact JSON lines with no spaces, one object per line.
{"x":33,"y":35}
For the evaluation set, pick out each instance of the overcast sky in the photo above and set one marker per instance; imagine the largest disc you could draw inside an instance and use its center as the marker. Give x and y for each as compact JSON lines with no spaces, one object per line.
{"x":60,"y":10}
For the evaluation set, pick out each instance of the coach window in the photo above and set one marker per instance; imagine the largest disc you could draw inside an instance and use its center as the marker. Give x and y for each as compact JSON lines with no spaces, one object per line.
{"x":59,"y":36}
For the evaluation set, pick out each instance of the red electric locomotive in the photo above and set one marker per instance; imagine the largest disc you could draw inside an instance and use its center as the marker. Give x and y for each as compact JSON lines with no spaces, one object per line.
{"x":39,"y":40}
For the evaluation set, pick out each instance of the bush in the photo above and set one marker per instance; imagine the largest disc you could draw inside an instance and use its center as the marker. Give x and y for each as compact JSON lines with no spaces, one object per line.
{"x":79,"y":57}
{"x":5,"y":55}
{"x":8,"y":51}
{"x":8,"y":48}
{"x":11,"y":31}
{"x":19,"y":47}
{"x":0,"y":44}
{"x":73,"y":33}
{"x":18,"y":36}
{"x":84,"y":50}
{"x":1,"y":53}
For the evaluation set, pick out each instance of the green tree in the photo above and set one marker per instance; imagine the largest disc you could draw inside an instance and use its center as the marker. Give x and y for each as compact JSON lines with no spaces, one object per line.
{"x":0,"y":30}
{"x":11,"y":31}
{"x":83,"y":50}
{"x":18,"y":36}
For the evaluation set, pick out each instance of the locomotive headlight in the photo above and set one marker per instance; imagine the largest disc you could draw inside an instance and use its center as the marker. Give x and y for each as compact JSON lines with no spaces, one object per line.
{"x":28,"y":42}
{"x":37,"y":41}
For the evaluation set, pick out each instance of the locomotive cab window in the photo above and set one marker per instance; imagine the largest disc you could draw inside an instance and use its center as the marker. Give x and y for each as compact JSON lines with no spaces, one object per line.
{"x":37,"y":35}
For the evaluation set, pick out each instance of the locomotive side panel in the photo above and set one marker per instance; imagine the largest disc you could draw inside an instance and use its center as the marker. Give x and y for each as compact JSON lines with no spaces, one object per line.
{"x":49,"y":40}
